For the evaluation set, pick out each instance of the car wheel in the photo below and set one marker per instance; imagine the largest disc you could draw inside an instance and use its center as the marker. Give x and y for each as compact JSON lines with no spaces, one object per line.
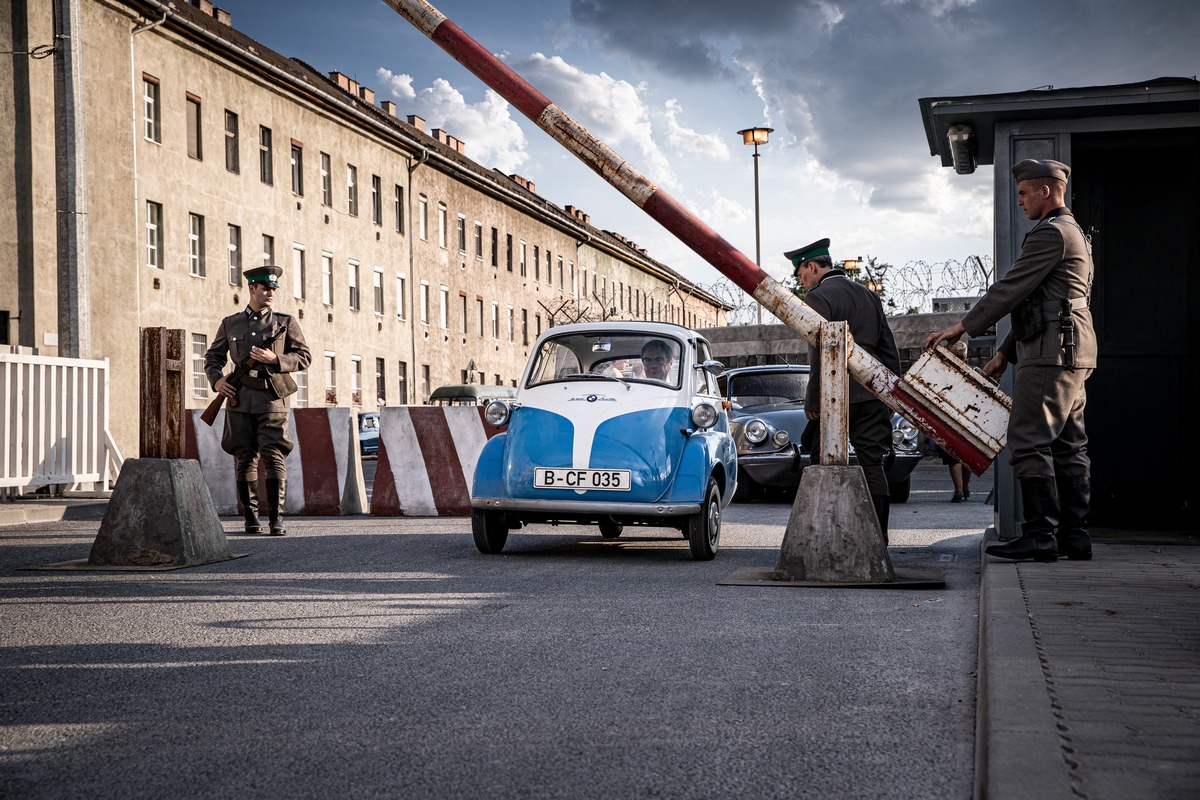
{"x":489,"y":530}
{"x":610,"y":529}
{"x":747,"y":489}
{"x":704,"y":528}
{"x":898,"y":492}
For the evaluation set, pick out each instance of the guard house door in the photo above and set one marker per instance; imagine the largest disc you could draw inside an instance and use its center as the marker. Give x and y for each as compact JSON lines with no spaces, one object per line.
{"x":1138,"y":193}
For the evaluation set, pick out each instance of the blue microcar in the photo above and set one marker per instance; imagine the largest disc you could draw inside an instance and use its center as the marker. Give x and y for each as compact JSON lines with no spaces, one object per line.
{"x":614,"y":424}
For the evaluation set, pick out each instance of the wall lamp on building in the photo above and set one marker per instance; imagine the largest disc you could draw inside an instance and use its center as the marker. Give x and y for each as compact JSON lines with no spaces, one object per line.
{"x":962,"y":148}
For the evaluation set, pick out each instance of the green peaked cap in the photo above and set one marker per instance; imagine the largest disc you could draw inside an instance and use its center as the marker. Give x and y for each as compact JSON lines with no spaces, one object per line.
{"x":267,"y":274}
{"x":802,"y":254}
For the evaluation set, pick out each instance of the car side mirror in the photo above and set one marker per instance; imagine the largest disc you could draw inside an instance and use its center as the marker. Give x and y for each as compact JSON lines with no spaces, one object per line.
{"x":711,"y":367}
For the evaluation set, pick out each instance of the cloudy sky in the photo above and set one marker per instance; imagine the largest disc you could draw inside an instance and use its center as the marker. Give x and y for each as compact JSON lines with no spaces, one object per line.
{"x":668,"y":83}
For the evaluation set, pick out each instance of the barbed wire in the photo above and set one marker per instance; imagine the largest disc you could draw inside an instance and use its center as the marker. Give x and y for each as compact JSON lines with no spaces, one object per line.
{"x":907,"y":289}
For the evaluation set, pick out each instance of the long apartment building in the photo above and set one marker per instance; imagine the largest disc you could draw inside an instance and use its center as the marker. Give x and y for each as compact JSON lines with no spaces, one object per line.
{"x":408,"y":264}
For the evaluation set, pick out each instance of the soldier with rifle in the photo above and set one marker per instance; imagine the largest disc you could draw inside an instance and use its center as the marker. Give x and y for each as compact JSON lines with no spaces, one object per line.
{"x":265,"y":346}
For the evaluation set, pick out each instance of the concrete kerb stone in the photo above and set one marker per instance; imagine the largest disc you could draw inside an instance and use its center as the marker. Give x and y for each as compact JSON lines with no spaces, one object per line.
{"x":1018,"y":751}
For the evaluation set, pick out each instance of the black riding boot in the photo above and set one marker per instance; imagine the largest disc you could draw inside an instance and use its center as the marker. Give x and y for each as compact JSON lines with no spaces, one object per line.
{"x":882,"y":505}
{"x":1039,"y":499}
{"x":248,"y":497}
{"x":1074,"y":497}
{"x":276,"y":491}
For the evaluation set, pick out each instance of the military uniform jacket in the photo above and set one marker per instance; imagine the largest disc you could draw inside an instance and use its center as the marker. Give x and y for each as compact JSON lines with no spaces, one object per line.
{"x":246,"y":329}
{"x":837,"y":298}
{"x":1056,"y":257}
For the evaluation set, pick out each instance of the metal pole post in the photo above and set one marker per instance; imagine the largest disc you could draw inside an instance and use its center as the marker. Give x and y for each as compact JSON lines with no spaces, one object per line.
{"x":757,"y":234}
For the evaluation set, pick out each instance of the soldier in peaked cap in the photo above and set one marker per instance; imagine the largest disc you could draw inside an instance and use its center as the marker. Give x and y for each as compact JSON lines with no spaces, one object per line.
{"x":830,"y":293}
{"x":256,"y":419}
{"x":1047,"y":292}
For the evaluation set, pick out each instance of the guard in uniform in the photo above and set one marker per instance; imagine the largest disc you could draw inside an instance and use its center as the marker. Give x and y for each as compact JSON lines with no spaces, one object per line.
{"x":830,"y":293}
{"x":256,"y":418}
{"x":1047,"y":291}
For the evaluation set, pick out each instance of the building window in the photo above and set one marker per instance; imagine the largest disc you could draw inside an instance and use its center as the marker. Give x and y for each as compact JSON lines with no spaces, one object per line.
{"x":298,"y":271}
{"x":560,"y":273}
{"x":356,"y":380}
{"x":154,"y":234}
{"x":352,"y":279}
{"x":549,"y":274}
{"x":478,"y":241}
{"x":377,"y":290}
{"x":462,"y":234}
{"x":268,"y":249}
{"x":376,"y":200}
{"x":327,"y":278}
{"x":193,"y":128}
{"x":326,"y":181}
{"x":380,"y":383}
{"x":495,"y":247}
{"x":401,"y":291}
{"x":441,"y":225}
{"x":508,"y":250}
{"x":444,"y":307}
{"x":330,"y":379}
{"x":402,"y":374}
{"x":399,"y":203}
{"x":231,"y":142}
{"x":196,"y":245}
{"x":537,"y":265}
{"x":495,"y":319}
{"x":424,"y":310}
{"x":423,"y":218}
{"x":199,"y":376}
{"x":297,"y":168}
{"x":266,"y":164}
{"x":479,"y":313}
{"x":151,"y":109}
{"x":300,"y":398}
{"x":352,"y":189}
{"x":521,"y":259}
{"x":512,"y":320}
{"x":462,"y":301}
{"x":525,"y":326}
{"x":235,"y":255}
{"x":425,"y":386}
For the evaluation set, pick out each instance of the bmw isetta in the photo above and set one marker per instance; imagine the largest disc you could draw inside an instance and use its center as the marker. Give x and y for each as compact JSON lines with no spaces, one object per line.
{"x":614,"y":424}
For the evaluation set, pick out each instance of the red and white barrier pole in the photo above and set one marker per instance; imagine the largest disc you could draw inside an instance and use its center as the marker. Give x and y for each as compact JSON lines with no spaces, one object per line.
{"x":689,"y":229}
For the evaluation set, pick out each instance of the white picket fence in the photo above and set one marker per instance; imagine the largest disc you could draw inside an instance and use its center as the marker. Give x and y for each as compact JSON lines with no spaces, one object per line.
{"x":54,"y":428}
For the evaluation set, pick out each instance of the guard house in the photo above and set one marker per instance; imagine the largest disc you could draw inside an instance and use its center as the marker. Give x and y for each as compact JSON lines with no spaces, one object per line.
{"x":1135,"y":188}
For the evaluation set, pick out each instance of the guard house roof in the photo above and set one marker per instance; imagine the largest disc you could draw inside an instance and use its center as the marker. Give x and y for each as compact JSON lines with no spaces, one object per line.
{"x":983,"y":112}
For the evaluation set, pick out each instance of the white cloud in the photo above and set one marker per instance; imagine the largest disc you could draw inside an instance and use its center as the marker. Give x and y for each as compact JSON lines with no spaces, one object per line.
{"x":398,"y":86}
{"x":689,"y":140}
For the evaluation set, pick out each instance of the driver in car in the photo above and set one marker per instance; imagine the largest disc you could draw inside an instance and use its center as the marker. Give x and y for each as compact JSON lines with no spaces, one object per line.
{"x":657,"y":359}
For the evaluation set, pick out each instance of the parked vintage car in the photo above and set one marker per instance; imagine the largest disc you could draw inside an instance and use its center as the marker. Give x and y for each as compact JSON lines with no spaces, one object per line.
{"x":767,"y":421}
{"x":368,"y":433}
{"x":599,"y":436}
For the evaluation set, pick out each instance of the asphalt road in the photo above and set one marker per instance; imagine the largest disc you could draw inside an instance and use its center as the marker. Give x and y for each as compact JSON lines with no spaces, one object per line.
{"x":362,"y":657}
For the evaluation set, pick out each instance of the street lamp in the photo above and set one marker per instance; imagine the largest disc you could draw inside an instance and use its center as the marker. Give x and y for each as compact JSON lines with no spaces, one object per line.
{"x":756,"y":136}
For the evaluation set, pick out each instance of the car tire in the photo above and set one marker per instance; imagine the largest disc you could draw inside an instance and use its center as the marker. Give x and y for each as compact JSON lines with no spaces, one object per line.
{"x":610,"y":529}
{"x":704,"y":528}
{"x":489,"y":530}
{"x":898,"y":492}
{"x":748,"y":489}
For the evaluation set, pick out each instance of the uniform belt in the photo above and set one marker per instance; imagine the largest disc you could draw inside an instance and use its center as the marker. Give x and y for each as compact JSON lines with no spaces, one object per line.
{"x":255,"y":383}
{"x":1052,"y":308}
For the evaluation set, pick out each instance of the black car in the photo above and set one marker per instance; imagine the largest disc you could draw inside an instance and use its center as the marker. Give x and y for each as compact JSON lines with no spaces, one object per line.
{"x":767,"y":421}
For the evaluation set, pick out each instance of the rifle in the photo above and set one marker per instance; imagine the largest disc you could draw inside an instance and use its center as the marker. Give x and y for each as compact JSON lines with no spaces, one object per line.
{"x":239,"y":371}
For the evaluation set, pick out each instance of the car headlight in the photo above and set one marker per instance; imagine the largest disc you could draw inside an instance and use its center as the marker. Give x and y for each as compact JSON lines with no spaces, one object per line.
{"x":781,"y":438}
{"x":756,"y":431}
{"x":704,"y":416}
{"x":497,"y":413}
{"x":904,"y":434}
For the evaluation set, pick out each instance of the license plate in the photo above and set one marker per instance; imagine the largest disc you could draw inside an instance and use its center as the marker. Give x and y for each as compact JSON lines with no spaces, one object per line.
{"x":609,"y":480}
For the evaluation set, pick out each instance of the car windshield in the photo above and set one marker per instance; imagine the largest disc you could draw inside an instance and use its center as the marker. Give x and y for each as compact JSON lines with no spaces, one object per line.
{"x":620,"y":356}
{"x":767,"y":388}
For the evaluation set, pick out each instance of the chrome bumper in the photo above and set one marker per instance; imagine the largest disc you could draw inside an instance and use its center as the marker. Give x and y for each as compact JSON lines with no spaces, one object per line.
{"x":587,"y":508}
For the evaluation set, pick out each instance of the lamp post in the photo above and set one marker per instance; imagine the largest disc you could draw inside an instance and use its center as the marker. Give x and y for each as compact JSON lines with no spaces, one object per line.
{"x":756,"y":136}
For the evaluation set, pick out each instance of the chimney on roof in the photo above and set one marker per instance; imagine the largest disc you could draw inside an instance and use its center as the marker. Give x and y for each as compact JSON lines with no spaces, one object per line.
{"x":574,"y":212}
{"x":452,"y":142}
{"x":388,"y":107}
{"x":353,"y":87}
{"x":586,"y":218}
{"x":367,"y":95}
{"x":223,"y":16}
{"x":439,"y":134}
{"x":416,"y":122}
{"x":205,"y":6}
{"x":531,"y":186}
{"x":460,"y":146}
{"x":340,"y":79}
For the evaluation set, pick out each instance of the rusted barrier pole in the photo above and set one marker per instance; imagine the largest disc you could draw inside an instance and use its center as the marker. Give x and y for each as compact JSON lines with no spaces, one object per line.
{"x":689,"y":229}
